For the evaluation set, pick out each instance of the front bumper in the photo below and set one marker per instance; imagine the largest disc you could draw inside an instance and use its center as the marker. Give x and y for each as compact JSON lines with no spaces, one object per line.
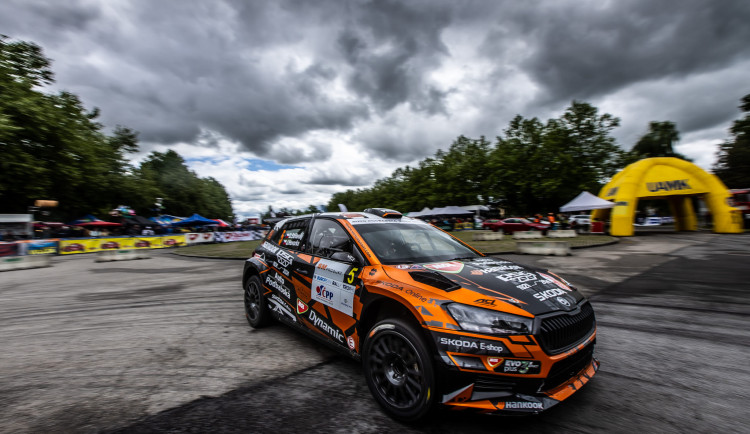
{"x":522,"y":382}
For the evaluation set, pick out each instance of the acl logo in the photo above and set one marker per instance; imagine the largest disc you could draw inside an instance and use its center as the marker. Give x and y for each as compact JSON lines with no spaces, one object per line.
{"x":323,"y":292}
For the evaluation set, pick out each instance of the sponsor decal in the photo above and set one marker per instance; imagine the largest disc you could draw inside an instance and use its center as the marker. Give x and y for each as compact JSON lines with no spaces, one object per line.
{"x":277,"y":282}
{"x":402,"y":266}
{"x":324,"y":293}
{"x":329,"y":329}
{"x":483,"y":262}
{"x":494,"y":361}
{"x":485,"y":301}
{"x":373,"y":272}
{"x":301,"y":307}
{"x":544,"y":295}
{"x":523,"y":286}
{"x":476,"y":272}
{"x":612,"y":192}
{"x":465,"y":345}
{"x":560,"y":283}
{"x":523,"y":405}
{"x":350,"y":342}
{"x":390,"y":285}
{"x":284,"y":258}
{"x":446,"y":267}
{"x":495,"y":269}
{"x":521,"y":366}
{"x":563,"y":301}
{"x":328,"y":285}
{"x":417,"y":295}
{"x":271,"y":248}
{"x":517,"y":277}
{"x":679,"y":184}
{"x":281,"y":307}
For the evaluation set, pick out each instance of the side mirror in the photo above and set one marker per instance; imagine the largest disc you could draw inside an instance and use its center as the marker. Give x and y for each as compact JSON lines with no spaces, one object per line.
{"x":344,"y":257}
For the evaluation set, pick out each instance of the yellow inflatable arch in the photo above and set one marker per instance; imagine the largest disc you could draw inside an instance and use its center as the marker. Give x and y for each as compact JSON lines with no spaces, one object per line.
{"x":677,"y":181}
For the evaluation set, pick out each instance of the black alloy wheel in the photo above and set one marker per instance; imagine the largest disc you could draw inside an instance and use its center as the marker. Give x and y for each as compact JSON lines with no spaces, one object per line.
{"x":399,"y":370}
{"x":256,"y":310}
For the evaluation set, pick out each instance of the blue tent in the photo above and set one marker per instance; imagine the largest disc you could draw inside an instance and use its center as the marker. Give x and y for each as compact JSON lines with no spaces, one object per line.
{"x":195,"y":220}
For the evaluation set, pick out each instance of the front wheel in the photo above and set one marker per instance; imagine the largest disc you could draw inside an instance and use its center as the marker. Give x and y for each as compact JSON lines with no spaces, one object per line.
{"x":399,"y":370}
{"x":256,"y":309}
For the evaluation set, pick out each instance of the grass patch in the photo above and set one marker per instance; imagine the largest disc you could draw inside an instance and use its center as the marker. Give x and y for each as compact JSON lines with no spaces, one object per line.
{"x":243,"y":249}
{"x":508,"y":244}
{"x":233,"y":250}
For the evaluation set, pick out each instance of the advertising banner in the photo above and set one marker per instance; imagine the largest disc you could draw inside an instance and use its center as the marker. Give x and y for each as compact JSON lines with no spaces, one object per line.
{"x":225,"y":237}
{"x":8,"y":249}
{"x":198,"y":238}
{"x":172,"y":241}
{"x":41,"y":247}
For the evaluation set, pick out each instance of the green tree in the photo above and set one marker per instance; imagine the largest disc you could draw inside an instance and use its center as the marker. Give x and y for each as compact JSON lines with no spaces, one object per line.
{"x":733,"y":157}
{"x":658,"y":142}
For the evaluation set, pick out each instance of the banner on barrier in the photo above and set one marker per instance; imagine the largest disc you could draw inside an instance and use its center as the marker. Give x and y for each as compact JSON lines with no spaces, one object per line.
{"x":8,"y":249}
{"x":225,"y":237}
{"x":198,"y":238}
{"x":41,"y":247}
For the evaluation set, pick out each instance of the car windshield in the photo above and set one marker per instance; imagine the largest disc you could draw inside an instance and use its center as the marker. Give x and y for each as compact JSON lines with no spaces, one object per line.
{"x":406,"y":242}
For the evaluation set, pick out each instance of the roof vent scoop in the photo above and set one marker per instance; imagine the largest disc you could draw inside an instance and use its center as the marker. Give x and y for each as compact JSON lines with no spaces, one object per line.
{"x":384,"y":213}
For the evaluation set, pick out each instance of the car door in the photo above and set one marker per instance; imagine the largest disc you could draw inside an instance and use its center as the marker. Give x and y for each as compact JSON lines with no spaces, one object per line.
{"x":284,"y":277}
{"x":335,"y":283}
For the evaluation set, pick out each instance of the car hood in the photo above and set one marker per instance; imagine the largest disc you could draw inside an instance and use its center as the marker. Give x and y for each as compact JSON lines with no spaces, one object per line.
{"x":492,"y":283}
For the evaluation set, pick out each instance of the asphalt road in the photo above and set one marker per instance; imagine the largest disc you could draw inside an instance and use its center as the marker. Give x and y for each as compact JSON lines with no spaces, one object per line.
{"x":161,"y":345}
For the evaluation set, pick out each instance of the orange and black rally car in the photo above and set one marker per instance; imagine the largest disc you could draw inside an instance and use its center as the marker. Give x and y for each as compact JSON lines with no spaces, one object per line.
{"x":432,"y":320}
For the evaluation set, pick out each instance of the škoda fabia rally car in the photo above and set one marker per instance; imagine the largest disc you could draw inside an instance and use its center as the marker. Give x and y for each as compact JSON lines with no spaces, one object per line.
{"x":433,"y":321}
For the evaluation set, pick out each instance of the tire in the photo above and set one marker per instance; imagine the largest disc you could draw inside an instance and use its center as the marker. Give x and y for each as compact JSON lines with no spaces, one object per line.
{"x":399,"y":370}
{"x":256,"y":309}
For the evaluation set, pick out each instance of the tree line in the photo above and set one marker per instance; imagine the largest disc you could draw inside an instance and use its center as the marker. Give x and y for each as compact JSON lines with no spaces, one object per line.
{"x":53,"y":148}
{"x":536,"y":166}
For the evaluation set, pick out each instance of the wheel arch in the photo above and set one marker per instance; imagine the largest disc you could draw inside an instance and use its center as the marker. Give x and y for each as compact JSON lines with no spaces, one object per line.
{"x":381,"y":308}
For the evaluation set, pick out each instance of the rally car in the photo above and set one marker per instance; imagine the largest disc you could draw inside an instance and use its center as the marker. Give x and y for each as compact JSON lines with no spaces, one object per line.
{"x":433,"y":321}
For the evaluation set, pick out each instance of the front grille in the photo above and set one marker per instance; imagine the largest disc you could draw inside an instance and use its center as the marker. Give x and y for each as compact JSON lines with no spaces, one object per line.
{"x":493,"y":384}
{"x":565,"y":369}
{"x":560,"y":332}
{"x":435,"y":280}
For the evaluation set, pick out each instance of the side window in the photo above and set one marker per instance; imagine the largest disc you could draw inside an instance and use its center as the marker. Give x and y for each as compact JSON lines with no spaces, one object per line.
{"x":292,"y":235}
{"x":328,"y":237}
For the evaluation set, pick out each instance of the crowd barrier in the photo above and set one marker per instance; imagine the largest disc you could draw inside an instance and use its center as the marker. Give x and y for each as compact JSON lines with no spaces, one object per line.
{"x":557,"y":248}
{"x":73,"y":246}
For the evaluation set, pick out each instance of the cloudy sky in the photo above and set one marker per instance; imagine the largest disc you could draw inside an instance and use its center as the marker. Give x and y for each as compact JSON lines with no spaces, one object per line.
{"x":286,"y":102}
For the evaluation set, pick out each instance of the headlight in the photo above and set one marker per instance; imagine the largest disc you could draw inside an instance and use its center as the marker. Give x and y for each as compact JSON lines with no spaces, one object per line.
{"x":480,"y":320}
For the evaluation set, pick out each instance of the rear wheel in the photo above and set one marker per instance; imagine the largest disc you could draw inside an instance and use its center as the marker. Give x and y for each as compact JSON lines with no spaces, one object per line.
{"x":399,"y":370}
{"x":256,"y":309}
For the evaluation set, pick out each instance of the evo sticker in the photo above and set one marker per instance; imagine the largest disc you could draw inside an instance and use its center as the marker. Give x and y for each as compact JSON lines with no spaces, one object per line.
{"x":329,"y":287}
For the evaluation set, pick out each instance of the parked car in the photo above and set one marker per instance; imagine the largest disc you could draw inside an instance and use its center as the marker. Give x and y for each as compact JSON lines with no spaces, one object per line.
{"x":580,"y":220}
{"x":433,"y":321}
{"x":510,"y":225}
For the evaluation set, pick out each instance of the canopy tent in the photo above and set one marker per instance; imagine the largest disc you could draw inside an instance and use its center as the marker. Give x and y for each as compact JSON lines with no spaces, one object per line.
{"x":98,"y":223}
{"x":475,"y":208}
{"x":136,"y":220}
{"x":165,"y":219}
{"x":585,"y":202}
{"x":195,"y":220}
{"x":425,"y":212}
{"x":86,"y":219}
{"x":450,"y":211}
{"x":221,"y":223}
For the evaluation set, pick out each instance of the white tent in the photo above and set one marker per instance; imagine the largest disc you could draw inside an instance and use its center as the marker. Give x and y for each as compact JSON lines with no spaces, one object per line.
{"x":586,"y":201}
{"x":425,"y":212}
{"x":449,"y":210}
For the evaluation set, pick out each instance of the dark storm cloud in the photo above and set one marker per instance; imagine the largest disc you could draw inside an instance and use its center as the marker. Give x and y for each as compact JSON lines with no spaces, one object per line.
{"x":583,"y":50}
{"x":391,"y":47}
